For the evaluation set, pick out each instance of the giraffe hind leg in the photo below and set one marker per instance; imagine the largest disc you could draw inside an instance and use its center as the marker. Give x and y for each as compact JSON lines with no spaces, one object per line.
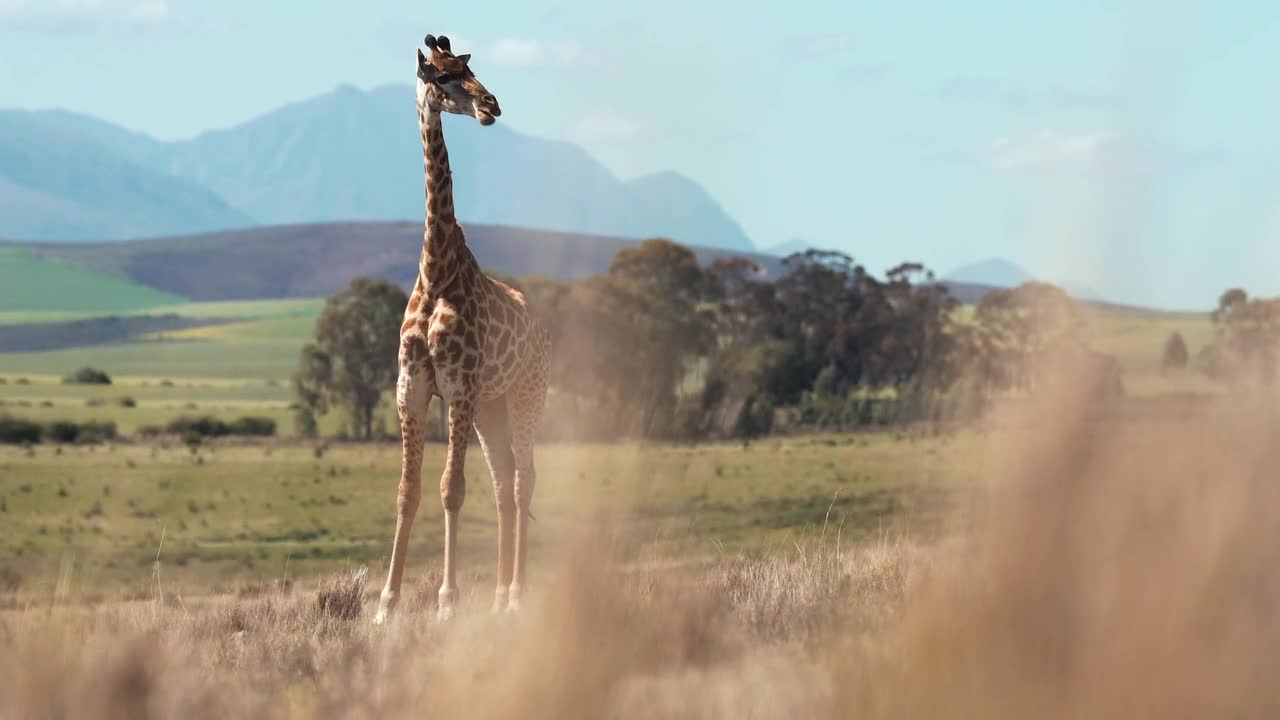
{"x":453,"y":491}
{"x":525,"y":405}
{"x":493,"y":427}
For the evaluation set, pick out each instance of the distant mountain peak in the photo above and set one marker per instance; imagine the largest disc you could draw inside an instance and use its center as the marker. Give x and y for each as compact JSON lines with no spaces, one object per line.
{"x":993,"y":272}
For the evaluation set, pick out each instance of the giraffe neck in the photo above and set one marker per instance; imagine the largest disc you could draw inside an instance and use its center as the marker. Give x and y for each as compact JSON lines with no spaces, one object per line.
{"x":442,"y":237}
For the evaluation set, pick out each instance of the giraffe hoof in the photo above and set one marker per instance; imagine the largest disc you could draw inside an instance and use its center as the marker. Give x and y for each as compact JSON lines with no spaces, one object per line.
{"x":444,"y":608}
{"x":385,"y":605}
{"x":500,"y":601}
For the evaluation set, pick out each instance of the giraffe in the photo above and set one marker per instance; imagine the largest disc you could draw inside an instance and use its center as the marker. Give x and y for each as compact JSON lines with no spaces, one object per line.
{"x":470,"y":340}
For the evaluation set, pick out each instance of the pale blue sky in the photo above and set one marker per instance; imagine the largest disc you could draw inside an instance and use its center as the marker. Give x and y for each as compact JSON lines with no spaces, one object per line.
{"x":1126,"y":146}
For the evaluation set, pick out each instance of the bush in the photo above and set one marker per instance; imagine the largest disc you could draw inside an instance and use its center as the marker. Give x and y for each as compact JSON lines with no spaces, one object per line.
{"x":93,"y":431}
{"x":756,"y":417}
{"x":203,"y":426}
{"x":90,"y":431}
{"x":258,"y":426}
{"x":87,"y":376}
{"x":19,"y":432}
{"x":1174,"y":355}
{"x":127,"y":402}
{"x":207,"y":426}
{"x":62,"y":431}
{"x":149,"y":431}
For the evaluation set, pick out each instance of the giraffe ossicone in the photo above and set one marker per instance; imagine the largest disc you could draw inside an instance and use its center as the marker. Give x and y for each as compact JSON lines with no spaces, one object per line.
{"x":471,"y":341}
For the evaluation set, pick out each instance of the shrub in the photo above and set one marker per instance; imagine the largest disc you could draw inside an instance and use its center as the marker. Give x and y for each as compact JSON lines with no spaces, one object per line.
{"x":202,"y":426}
{"x":207,"y":426}
{"x":128,"y":402}
{"x":87,"y":376}
{"x":17,"y":431}
{"x":259,"y":426}
{"x":1174,"y":356}
{"x":92,"y":431}
{"x":62,"y":431}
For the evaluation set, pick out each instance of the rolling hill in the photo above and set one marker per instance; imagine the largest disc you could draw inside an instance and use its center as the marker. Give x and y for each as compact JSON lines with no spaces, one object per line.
{"x":28,"y":282}
{"x":349,"y":155}
{"x":316,"y":260}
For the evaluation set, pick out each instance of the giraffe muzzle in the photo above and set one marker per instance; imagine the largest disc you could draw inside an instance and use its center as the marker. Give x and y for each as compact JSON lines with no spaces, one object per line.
{"x":487,"y":110}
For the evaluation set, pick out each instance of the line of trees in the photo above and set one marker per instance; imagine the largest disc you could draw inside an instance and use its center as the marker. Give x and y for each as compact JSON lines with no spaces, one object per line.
{"x":661,"y":347}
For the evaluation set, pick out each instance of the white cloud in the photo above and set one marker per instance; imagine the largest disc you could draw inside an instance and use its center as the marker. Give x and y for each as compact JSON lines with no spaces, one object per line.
{"x":606,"y":125}
{"x":84,"y":14}
{"x":527,"y":52}
{"x":1095,"y":151}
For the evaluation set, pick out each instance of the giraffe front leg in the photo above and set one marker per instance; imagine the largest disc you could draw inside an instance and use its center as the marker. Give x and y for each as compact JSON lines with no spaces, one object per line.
{"x":453,"y":491}
{"x":413,"y":396}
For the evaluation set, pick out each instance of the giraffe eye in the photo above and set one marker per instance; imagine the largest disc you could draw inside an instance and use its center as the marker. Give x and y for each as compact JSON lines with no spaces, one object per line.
{"x":444,"y":79}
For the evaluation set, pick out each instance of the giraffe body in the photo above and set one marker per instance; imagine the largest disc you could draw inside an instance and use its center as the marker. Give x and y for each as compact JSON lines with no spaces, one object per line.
{"x":470,"y":340}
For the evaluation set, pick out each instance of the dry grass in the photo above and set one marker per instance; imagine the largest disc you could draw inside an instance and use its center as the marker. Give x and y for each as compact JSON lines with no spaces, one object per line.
{"x":1124,"y":566}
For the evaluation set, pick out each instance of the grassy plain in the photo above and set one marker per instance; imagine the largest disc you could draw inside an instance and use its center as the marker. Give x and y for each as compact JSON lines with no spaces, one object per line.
{"x":236,"y":511}
{"x":1119,"y":563}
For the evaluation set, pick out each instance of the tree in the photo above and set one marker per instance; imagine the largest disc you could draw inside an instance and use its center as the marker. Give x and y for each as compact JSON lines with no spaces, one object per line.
{"x":353,"y":359}
{"x":1246,"y":336}
{"x":656,"y":297}
{"x":1175,"y":354}
{"x":1026,"y":329}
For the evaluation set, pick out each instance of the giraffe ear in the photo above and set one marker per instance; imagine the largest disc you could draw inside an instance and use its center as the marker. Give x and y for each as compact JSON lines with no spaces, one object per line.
{"x":465,"y":58}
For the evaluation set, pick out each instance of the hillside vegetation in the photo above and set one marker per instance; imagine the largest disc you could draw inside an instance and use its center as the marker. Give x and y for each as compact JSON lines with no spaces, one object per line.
{"x":29,"y":282}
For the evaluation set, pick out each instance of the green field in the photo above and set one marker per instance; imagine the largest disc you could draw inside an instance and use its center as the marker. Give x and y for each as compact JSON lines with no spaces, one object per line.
{"x":263,"y":344}
{"x":31,"y":283}
{"x":236,"y":512}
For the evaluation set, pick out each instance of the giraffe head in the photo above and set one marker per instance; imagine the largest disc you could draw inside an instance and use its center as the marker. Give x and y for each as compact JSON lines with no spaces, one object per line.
{"x":446,"y":84}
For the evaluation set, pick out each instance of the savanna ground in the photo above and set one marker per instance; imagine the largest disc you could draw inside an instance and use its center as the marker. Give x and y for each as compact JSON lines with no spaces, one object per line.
{"x":1059,"y":560}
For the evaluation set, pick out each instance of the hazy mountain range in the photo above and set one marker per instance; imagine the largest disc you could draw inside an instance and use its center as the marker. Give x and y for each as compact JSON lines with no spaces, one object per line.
{"x":348,"y":155}
{"x":1001,"y":273}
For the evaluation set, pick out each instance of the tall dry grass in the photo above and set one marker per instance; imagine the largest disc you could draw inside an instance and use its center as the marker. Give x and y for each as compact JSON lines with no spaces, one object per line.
{"x":1126,"y":563}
